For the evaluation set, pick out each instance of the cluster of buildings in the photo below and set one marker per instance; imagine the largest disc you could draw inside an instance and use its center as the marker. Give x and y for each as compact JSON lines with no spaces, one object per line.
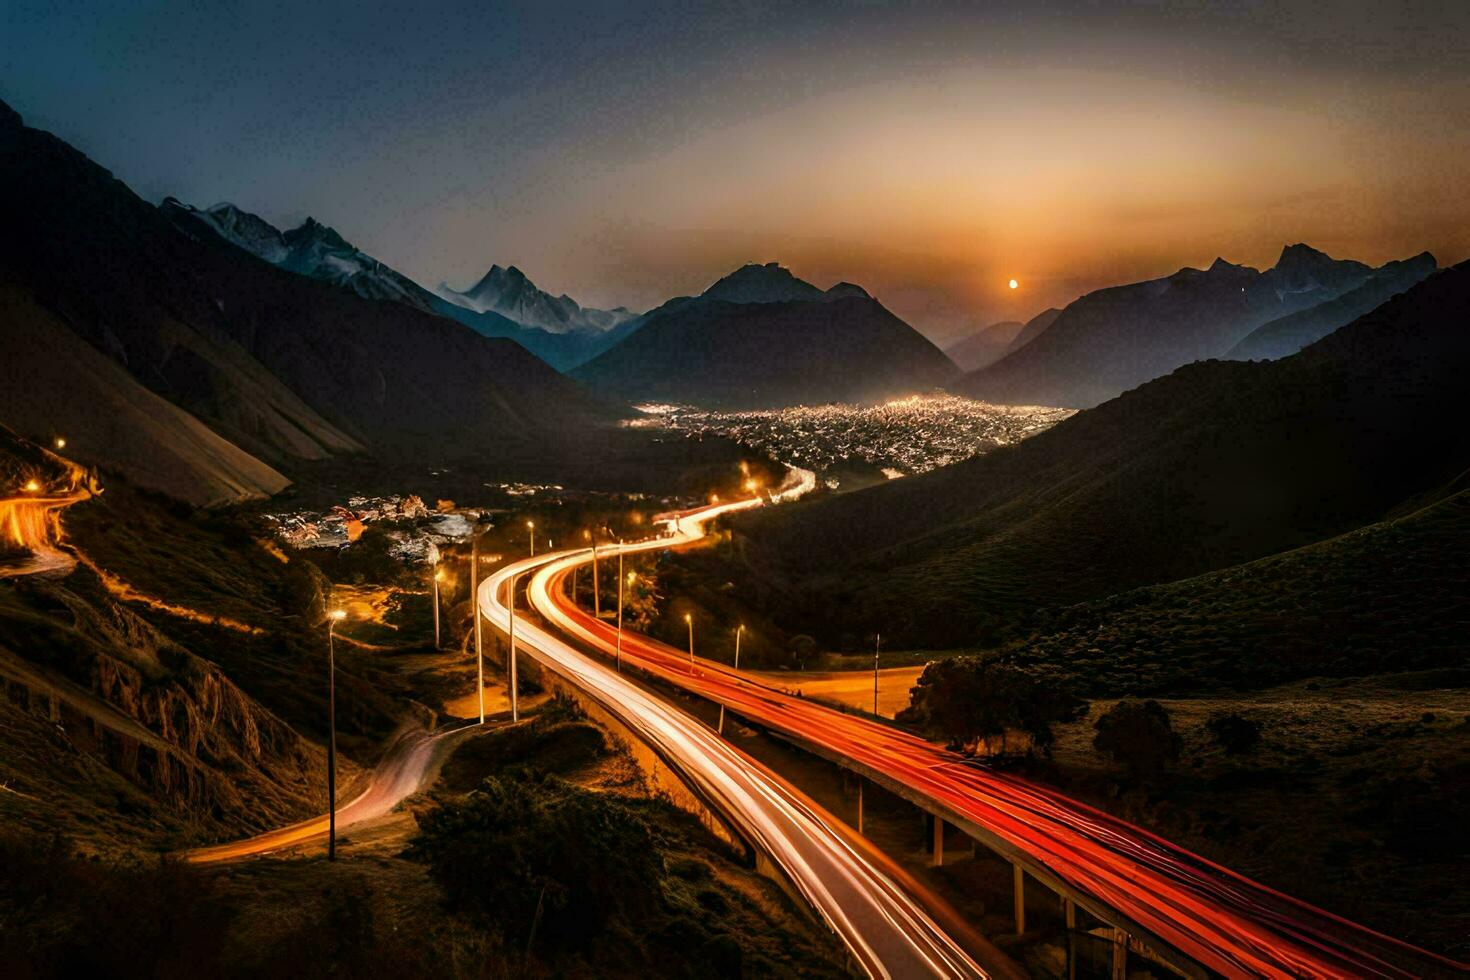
{"x":416,"y":530}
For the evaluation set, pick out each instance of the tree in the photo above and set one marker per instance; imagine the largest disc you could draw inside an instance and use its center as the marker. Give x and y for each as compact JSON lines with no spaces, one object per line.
{"x":971,"y":701}
{"x":1234,"y":734}
{"x":1138,"y":735}
{"x":803,"y":648}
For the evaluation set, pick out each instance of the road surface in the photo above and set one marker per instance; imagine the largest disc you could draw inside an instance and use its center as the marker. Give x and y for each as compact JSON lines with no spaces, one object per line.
{"x":1217,"y":918}
{"x":863,"y":896}
{"x":411,"y":763}
{"x":31,"y":522}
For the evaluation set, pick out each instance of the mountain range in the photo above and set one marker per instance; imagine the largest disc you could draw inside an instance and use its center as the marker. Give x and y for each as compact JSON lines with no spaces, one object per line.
{"x":1289,"y":334}
{"x":1217,"y":463}
{"x":760,"y":337}
{"x":206,"y":373}
{"x":1115,"y":339}
{"x":509,"y":293}
{"x":504,"y":304}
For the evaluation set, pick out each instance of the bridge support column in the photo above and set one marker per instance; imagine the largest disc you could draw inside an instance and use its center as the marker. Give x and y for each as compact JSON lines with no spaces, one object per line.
{"x":1069,"y":917}
{"x":1120,"y":954}
{"x":1018,"y":889}
{"x":938,"y":860}
{"x":860,"y":805}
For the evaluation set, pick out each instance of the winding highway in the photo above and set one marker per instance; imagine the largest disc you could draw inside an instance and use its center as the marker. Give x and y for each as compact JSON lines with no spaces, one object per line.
{"x":863,"y":896}
{"x":1217,"y":918}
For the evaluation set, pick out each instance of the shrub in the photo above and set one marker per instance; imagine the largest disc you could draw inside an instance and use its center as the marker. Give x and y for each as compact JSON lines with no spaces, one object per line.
{"x":1138,"y":734}
{"x":524,"y":842}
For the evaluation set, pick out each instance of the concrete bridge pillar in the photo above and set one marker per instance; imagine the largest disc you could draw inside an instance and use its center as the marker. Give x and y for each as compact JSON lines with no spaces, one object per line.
{"x":1018,"y":888}
{"x":1120,"y":954}
{"x":1069,"y":916}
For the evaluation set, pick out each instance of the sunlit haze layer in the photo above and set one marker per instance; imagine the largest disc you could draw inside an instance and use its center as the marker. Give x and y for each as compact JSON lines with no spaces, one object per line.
{"x":627,"y":153}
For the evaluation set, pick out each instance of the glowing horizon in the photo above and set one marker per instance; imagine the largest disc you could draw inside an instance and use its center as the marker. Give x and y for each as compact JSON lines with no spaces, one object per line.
{"x":624,"y":156}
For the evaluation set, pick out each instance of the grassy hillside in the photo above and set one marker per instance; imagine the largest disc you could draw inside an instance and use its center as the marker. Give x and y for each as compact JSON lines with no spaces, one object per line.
{"x":1217,"y":464}
{"x":1388,"y":598}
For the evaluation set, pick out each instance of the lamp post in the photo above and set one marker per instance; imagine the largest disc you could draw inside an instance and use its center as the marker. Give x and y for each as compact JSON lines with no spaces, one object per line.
{"x":438,"y":577}
{"x":596,"y":595}
{"x":479,"y":635}
{"x":620,"y":605}
{"x":531,"y":530}
{"x":877,"y":646}
{"x":689,"y":621}
{"x":738,"y":630}
{"x":510,"y":601}
{"x":333,"y":618}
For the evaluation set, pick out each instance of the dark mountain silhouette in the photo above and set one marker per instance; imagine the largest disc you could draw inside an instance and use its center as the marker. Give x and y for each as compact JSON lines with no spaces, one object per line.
{"x":768,"y":353}
{"x":985,"y":345}
{"x":284,"y":367}
{"x":1218,"y":463}
{"x":774,"y":283}
{"x":1290,"y":334}
{"x":1115,"y":339}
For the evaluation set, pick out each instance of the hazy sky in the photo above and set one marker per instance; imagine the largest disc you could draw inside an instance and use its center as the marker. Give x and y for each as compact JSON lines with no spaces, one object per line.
{"x":929,"y":151}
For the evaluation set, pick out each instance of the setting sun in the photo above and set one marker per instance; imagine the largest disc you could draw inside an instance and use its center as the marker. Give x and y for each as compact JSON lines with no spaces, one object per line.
{"x":1013,"y":284}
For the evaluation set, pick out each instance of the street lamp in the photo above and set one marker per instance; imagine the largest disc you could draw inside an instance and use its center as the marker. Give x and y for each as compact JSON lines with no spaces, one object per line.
{"x":333,"y":618}
{"x":479,"y":633}
{"x":510,"y":601}
{"x":689,"y":621}
{"x":531,"y":530}
{"x":632,"y":577}
{"x":596,"y":595}
{"x":877,"y":646}
{"x":438,"y":577}
{"x":738,"y":630}
{"x":59,"y":442}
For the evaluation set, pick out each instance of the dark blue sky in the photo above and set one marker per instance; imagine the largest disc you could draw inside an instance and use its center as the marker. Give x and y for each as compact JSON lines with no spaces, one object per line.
{"x":929,"y":151}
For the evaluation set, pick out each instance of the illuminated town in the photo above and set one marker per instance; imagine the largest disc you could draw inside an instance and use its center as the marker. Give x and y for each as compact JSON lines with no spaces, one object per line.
{"x":899,"y":438}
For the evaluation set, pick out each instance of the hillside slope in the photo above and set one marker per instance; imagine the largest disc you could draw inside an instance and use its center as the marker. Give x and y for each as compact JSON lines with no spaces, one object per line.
{"x":719,"y":353}
{"x":1387,"y":598}
{"x":1216,"y":464}
{"x":110,"y":269}
{"x":53,"y":382}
